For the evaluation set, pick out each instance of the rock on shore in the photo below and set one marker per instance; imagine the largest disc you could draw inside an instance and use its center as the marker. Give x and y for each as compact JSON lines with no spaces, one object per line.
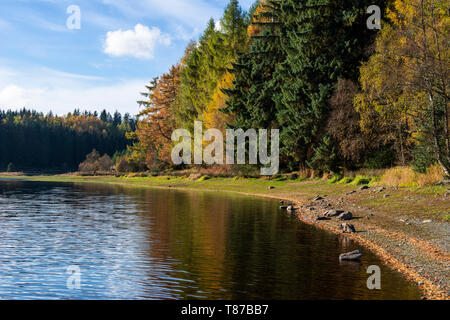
{"x":333,"y":213}
{"x":346,"y":216}
{"x":351,"y":256}
{"x":347,"y":228}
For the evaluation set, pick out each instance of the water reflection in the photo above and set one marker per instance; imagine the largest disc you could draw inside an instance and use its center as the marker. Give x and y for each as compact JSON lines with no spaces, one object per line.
{"x":166,"y":244}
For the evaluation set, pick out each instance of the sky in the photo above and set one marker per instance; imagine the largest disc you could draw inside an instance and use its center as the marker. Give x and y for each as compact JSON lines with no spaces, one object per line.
{"x":54,"y":59}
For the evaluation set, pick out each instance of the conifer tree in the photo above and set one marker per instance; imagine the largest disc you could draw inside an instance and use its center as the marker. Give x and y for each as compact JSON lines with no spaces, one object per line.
{"x":324,"y":40}
{"x":250,"y":99}
{"x":207,"y":63}
{"x":158,"y":122}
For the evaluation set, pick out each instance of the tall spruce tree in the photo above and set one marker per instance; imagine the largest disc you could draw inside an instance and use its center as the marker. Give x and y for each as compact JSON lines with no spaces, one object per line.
{"x":324,"y":40}
{"x":250,"y":98}
{"x":233,"y":26}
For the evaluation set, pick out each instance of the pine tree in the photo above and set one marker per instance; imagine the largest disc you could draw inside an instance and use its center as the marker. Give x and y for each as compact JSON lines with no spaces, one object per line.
{"x":324,"y":40}
{"x":233,"y":27}
{"x":157,"y":122}
{"x":250,"y":98}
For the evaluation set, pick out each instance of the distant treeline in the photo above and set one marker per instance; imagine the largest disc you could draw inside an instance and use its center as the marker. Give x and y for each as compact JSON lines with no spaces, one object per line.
{"x":32,"y":140}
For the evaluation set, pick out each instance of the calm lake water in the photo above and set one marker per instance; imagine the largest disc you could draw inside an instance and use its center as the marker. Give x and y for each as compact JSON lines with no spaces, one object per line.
{"x":133,"y":243}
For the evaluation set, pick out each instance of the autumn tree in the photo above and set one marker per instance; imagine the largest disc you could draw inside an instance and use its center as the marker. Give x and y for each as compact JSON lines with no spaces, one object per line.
{"x":213,"y":116}
{"x":95,"y":163}
{"x":105,"y":163}
{"x":257,"y":19}
{"x":157,"y":121}
{"x":90,"y":165}
{"x":406,"y":81}
{"x":343,"y":124}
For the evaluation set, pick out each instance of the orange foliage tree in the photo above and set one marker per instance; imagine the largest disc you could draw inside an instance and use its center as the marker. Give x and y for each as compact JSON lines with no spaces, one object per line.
{"x":157,"y":121}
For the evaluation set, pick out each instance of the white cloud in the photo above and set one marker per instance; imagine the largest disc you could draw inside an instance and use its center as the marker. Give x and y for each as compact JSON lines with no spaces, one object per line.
{"x":138,"y":43}
{"x":13,"y":94}
{"x":183,"y":18}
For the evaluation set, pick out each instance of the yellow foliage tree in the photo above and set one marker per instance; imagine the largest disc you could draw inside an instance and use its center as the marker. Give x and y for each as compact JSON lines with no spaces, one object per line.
{"x":254,"y":28}
{"x":405,"y":83}
{"x":212,"y":116}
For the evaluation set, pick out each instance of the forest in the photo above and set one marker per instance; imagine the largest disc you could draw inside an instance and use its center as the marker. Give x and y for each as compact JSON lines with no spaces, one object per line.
{"x":33,"y":141}
{"x":343,"y":97}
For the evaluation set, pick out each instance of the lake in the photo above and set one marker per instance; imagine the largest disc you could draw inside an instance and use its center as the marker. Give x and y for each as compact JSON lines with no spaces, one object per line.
{"x":139,"y":243}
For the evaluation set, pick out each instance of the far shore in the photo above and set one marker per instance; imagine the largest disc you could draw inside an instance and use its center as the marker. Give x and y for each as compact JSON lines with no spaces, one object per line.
{"x":407,"y":228}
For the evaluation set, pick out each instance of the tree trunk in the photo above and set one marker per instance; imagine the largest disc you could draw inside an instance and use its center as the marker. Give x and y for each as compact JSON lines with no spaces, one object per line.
{"x":443,"y":163}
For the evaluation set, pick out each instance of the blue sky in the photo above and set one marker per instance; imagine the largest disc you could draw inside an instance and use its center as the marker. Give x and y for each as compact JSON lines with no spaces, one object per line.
{"x":120,"y":46}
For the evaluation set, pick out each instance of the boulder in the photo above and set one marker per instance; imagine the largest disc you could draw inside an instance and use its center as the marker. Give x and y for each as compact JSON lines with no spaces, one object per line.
{"x":346,"y":216}
{"x":322,"y":218}
{"x":318,"y":198}
{"x":283,"y":207}
{"x":364,"y":188}
{"x":351,"y":192}
{"x":347,"y":228}
{"x":351,"y":256}
{"x":380,"y":189}
{"x":270,"y":188}
{"x":333,"y":213}
{"x":291,"y":208}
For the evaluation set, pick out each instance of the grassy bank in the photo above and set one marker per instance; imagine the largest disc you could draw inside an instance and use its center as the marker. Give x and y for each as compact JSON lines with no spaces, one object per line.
{"x":408,"y":227}
{"x":399,"y":201}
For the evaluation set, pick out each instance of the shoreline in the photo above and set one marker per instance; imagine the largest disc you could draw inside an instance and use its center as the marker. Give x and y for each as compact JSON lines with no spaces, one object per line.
{"x":427,"y":287}
{"x":420,"y":260}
